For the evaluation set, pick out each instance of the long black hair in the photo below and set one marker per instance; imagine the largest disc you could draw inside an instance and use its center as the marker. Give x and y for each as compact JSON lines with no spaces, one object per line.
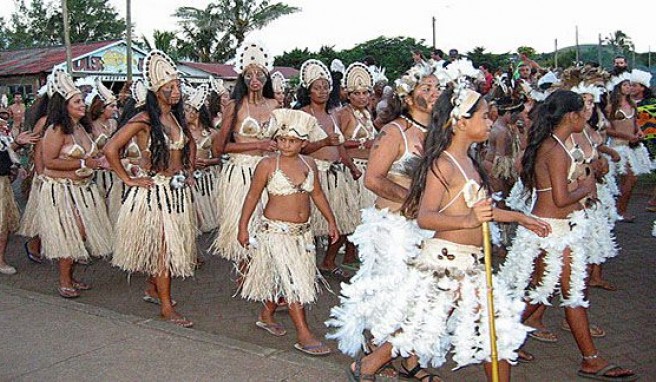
{"x":616,"y":100}
{"x":204,"y":117}
{"x":130,"y":109}
{"x":158,"y":143}
{"x":58,"y":115}
{"x":438,"y":139}
{"x":36,"y":111}
{"x":548,"y":116}
{"x":240,"y":92}
{"x":214,"y":105}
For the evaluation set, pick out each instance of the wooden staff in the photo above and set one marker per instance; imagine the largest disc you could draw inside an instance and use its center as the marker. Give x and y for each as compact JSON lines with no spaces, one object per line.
{"x":487,"y":247}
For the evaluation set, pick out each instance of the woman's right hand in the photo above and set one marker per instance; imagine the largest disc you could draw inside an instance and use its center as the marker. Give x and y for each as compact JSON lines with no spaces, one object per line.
{"x":480,"y":213}
{"x":243,"y":238}
{"x":146,"y":182}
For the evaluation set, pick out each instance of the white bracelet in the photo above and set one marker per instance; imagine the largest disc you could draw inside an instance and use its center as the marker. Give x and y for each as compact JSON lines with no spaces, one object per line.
{"x":82,"y":164}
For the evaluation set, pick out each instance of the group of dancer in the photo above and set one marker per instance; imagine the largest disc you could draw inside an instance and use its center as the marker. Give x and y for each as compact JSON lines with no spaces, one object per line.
{"x":426,"y":163}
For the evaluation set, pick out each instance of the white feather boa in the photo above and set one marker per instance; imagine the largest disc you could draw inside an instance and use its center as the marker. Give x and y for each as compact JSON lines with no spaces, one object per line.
{"x":374,"y":297}
{"x":518,"y":268}
{"x":637,"y":159}
{"x":601,"y":244}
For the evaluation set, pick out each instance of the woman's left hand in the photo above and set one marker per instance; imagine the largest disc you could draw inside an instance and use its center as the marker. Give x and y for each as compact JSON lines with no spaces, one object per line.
{"x":539,"y":227}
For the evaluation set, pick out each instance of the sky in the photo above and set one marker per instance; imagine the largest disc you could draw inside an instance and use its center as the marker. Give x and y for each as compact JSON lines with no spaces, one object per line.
{"x":499,"y":26}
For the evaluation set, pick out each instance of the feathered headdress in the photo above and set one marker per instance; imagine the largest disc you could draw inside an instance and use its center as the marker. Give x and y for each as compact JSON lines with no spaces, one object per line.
{"x":295,"y":123}
{"x":216,"y":85}
{"x":253,"y":53}
{"x":377,"y":73}
{"x":357,"y":77}
{"x":461,"y":73}
{"x":410,"y":79}
{"x":641,"y":77}
{"x":63,"y":84}
{"x":616,"y":80}
{"x":594,"y":91}
{"x":278,"y":82}
{"x":312,"y":70}
{"x":139,"y":92}
{"x":105,"y":94}
{"x":197,"y":96}
{"x":158,"y":69}
{"x":337,"y":66}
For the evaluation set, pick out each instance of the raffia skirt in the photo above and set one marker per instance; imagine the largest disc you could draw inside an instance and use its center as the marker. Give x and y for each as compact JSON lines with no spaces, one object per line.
{"x":334,"y":180}
{"x":29,"y":221}
{"x":9,"y":215}
{"x":65,"y":207}
{"x":282,"y":264}
{"x":157,"y":231}
{"x":114,"y":198}
{"x":572,"y":233}
{"x":204,"y":193}
{"x":236,"y":178}
{"x":365,"y":197}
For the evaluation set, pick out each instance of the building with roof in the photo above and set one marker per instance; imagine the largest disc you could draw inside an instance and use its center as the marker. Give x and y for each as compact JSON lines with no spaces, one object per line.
{"x":26,"y":70}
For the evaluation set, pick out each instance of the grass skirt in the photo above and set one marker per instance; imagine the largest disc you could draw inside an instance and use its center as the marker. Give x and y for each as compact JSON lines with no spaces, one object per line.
{"x":365,"y":197}
{"x":29,"y":221}
{"x":517,"y":270}
{"x":504,"y":168}
{"x":235,"y":181}
{"x":62,"y":203}
{"x":334,"y":180}
{"x":282,"y":264}
{"x":9,"y":215}
{"x":447,"y":309}
{"x":157,"y":231}
{"x":204,"y":193}
{"x":370,"y":299}
{"x":115,"y":195}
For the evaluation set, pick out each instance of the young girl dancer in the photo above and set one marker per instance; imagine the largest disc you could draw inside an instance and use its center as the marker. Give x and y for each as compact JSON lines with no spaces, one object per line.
{"x":282,"y":255}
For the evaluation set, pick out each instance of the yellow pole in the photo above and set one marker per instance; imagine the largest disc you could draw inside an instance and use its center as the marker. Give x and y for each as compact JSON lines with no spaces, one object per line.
{"x":487,"y":247}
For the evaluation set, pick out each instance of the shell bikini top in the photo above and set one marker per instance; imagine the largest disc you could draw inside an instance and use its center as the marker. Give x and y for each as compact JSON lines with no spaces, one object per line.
{"x":251,"y":127}
{"x":576,"y":152}
{"x":180,"y":143}
{"x":621,"y":114}
{"x":280,"y":185}
{"x":408,"y":162}
{"x":77,"y":151}
{"x":471,"y":191}
{"x":362,"y":130}
{"x":101,"y":141}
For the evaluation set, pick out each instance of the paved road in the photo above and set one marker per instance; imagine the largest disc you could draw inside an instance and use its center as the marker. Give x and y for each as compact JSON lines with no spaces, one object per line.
{"x":109,"y":333}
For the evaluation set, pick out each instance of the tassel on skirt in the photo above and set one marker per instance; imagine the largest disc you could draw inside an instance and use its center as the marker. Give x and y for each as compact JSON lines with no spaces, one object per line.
{"x":9,"y":215}
{"x":157,"y":230}
{"x":65,"y":208}
{"x":282,"y":264}
{"x":29,"y":221}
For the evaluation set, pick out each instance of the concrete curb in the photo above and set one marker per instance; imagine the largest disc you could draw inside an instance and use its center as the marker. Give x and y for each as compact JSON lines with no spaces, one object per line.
{"x":190,"y":334}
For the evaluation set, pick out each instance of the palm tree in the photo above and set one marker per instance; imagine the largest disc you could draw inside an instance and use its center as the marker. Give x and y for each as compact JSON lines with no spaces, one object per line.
{"x":619,"y":41}
{"x":223,"y":25}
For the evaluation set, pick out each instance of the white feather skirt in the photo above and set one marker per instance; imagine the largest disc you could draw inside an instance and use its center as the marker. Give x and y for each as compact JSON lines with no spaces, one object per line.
{"x":65,"y":207}
{"x":29,"y":226}
{"x":204,"y":193}
{"x":602,"y":244}
{"x":636,"y":159}
{"x":236,"y":178}
{"x":157,"y":231}
{"x":334,"y":180}
{"x":282,"y":264}
{"x":9,"y":215}
{"x":374,"y":297}
{"x":447,"y":311}
{"x":518,"y":199}
{"x":517,"y":270}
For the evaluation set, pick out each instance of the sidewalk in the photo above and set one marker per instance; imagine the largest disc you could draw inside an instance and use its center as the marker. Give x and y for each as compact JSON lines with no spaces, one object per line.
{"x":109,"y":333}
{"x":48,"y":338}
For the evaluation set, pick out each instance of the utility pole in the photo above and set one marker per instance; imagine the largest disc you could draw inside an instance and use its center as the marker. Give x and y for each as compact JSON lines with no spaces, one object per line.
{"x":577,"y":45}
{"x":555,"y":53}
{"x":434,"y":45}
{"x":67,"y":38}
{"x":128,"y":38}
{"x":599,"y":52}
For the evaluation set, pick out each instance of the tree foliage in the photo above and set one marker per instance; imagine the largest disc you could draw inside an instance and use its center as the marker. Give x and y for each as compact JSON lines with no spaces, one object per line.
{"x":41,"y":24}
{"x":214,"y":33}
{"x":620,"y":42}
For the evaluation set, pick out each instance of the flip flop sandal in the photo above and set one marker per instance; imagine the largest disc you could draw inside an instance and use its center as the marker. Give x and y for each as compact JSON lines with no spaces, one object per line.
{"x":156,"y":301}
{"x":337,"y":273}
{"x":412,"y":374}
{"x":81,"y":286}
{"x":600,"y":375}
{"x":525,"y":357}
{"x":543,"y":335}
{"x":181,"y":321}
{"x":274,"y":329}
{"x":34,"y":257}
{"x":595,"y":330}
{"x":313,"y":350}
{"x":66,"y":292}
